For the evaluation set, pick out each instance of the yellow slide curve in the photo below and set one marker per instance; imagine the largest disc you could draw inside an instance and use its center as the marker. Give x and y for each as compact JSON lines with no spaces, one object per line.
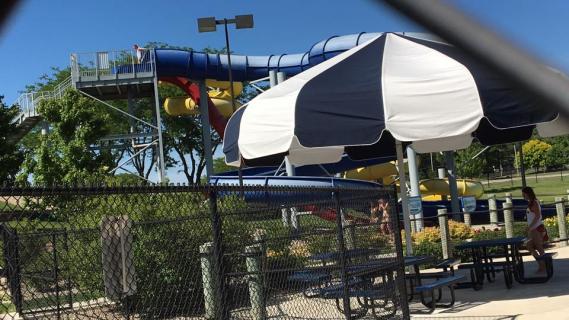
{"x":431,"y":189}
{"x":219,"y":94}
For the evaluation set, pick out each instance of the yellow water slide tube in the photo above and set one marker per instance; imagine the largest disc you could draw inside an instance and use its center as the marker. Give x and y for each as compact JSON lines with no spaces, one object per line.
{"x":435,"y":189}
{"x":219,"y":93}
{"x":431,"y":189}
{"x":384,"y":172}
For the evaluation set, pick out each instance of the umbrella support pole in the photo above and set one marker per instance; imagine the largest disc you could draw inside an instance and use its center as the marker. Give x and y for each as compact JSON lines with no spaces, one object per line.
{"x":404,"y":198}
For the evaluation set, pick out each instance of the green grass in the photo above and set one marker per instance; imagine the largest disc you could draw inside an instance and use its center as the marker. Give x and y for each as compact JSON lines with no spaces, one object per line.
{"x":546,"y":188}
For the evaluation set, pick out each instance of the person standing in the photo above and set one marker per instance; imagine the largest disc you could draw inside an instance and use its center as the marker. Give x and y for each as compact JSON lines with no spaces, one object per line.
{"x":536,"y":231}
{"x":140,"y":53}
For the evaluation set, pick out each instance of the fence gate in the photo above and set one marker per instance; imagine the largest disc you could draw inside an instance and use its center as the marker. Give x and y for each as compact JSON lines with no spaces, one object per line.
{"x":43,"y":284}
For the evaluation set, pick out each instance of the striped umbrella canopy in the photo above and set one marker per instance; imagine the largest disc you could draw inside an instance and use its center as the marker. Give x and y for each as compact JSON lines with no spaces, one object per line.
{"x":394,"y":87}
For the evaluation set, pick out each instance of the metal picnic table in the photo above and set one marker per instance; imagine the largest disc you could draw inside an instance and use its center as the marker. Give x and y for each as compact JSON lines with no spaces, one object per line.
{"x":512,"y":266}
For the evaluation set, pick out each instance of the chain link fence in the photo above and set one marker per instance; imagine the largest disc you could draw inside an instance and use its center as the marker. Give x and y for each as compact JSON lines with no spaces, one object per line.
{"x":223,"y":252}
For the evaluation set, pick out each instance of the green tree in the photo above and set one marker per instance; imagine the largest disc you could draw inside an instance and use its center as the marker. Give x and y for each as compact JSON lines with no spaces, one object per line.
{"x":535,"y":153}
{"x":182,"y":135}
{"x":466,"y":165}
{"x":557,"y":155}
{"x":11,"y":157}
{"x":66,"y":154}
{"x":47,"y":82}
{"x":219,"y":166}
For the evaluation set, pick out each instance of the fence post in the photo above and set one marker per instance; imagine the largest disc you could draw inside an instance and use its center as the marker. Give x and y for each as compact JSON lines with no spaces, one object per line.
{"x":342,"y":250}
{"x":118,"y":257}
{"x":349,"y":234}
{"x":508,"y":219}
{"x":445,"y":235}
{"x":12,"y":264}
{"x":560,"y":207}
{"x":285,"y":217}
{"x":218,"y":268}
{"x":508,"y":197}
{"x":394,"y":221}
{"x":209,"y":281}
{"x":255,"y":255}
{"x":294,"y":221}
{"x":493,"y":208}
{"x":467,"y":219}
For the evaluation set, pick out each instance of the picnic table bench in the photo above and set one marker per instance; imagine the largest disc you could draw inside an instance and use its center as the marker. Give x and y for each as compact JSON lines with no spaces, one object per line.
{"x":484,"y":265}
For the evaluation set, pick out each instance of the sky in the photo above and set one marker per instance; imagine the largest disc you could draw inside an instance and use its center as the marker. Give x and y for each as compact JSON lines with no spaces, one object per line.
{"x":42,"y":34}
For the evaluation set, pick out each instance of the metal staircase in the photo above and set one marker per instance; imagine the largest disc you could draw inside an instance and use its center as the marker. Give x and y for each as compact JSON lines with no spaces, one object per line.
{"x":28,"y":117}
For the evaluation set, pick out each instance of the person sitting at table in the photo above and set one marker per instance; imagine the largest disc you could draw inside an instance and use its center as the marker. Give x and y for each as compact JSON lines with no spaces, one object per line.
{"x":537,"y":233}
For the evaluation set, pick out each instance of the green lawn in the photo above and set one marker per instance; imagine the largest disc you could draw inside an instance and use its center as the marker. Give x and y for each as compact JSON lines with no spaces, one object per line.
{"x":546,"y":188}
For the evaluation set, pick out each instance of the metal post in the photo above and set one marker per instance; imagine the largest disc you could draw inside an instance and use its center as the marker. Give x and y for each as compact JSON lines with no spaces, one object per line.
{"x":206,"y":130}
{"x":414,"y":182}
{"x":508,"y":219}
{"x":290,"y":170}
{"x":449,"y":158}
{"x":562,"y":223}
{"x":272,"y":78}
{"x":342,"y":250}
{"x":404,"y":199}
{"x":217,"y":252}
{"x":442,"y":174}
{"x":294,"y":221}
{"x":349,"y":234}
{"x":44,"y":128}
{"x":161,"y":164}
{"x":394,"y":221}
{"x":56,"y":274}
{"x":522,"y":165}
{"x":211,"y":301}
{"x":508,"y":197}
{"x":231,"y":90}
{"x":130,"y":107}
{"x":254,"y":262}
{"x":444,"y":231}
{"x":13,"y":266}
{"x":493,"y":208}
{"x":285,"y":217}
{"x":467,"y":219}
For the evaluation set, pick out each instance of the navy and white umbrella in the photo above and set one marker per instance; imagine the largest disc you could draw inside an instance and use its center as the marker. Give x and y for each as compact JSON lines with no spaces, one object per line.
{"x":394,"y":86}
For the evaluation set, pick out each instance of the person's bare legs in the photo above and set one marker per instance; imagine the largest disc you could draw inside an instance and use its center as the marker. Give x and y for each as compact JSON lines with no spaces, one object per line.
{"x":535,"y":247}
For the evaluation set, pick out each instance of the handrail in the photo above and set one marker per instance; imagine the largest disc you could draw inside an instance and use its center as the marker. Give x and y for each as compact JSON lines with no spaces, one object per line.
{"x":89,"y":66}
{"x":27,"y":101}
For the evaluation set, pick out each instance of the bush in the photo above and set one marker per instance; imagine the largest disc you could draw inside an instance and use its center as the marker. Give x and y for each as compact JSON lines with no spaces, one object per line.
{"x":168,"y":229}
{"x":552,"y":226}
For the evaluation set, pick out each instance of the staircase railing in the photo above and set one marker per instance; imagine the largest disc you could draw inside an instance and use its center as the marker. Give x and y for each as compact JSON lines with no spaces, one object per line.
{"x":29,"y":100}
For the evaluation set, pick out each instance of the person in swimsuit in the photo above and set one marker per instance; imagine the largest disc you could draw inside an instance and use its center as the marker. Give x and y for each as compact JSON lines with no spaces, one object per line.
{"x":380,"y":214}
{"x":140,"y":53}
{"x":537,"y":233}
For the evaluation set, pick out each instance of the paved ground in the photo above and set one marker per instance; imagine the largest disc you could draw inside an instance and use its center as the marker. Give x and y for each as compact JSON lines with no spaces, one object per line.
{"x":548,"y":301}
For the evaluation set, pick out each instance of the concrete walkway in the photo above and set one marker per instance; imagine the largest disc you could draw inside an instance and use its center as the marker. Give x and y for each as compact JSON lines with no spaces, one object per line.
{"x":548,"y":301}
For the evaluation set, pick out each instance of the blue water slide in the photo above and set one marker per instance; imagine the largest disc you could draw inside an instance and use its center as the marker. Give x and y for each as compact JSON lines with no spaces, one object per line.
{"x":288,"y":195}
{"x":200,"y":65}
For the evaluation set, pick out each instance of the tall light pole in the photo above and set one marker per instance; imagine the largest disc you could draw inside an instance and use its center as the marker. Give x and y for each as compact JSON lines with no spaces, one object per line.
{"x":209,"y":24}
